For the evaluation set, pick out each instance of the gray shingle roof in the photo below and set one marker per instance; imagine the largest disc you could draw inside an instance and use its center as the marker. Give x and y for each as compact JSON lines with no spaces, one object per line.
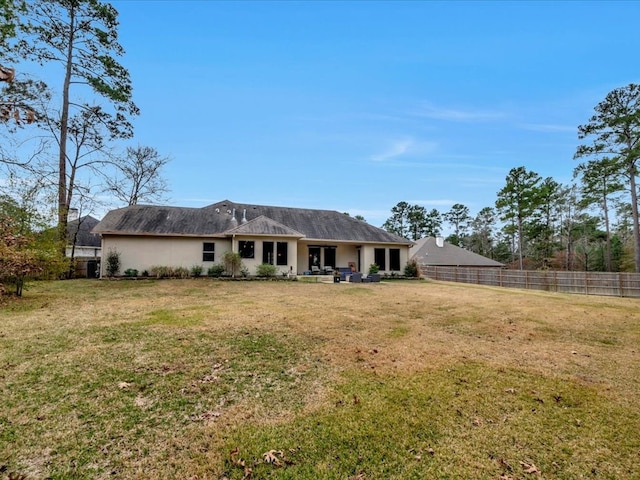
{"x":83,"y":226}
{"x":264,"y":226}
{"x":221,"y":218}
{"x":427,"y":252}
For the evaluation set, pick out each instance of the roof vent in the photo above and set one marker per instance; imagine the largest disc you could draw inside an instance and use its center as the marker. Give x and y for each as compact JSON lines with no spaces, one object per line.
{"x":244,"y":216}
{"x":217,"y":210}
{"x":440,"y":242}
{"x":233,"y":217}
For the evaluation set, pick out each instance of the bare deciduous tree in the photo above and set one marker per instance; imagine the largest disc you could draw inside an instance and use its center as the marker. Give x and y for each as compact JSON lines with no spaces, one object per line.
{"x":140,"y":176}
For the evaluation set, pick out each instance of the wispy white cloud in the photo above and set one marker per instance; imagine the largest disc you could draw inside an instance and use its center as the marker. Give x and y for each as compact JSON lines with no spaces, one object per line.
{"x":541,"y":127}
{"x":404,"y":147}
{"x":457,"y":115}
{"x":397,"y":149}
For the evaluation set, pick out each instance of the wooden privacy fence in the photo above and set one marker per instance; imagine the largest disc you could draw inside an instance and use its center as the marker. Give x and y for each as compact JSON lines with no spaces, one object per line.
{"x":586,"y":283}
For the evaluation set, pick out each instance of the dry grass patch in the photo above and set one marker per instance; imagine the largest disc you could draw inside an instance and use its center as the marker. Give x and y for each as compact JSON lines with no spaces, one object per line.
{"x":165,"y":379}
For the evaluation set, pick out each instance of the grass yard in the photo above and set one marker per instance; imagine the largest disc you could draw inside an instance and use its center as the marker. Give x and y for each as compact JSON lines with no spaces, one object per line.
{"x":207,"y":379}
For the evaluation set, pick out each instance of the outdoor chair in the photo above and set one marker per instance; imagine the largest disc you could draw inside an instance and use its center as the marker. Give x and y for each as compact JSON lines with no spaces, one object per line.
{"x":355,"y":278}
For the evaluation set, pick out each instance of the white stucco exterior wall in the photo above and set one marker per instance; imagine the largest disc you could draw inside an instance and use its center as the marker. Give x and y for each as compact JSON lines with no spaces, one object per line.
{"x":142,"y":253}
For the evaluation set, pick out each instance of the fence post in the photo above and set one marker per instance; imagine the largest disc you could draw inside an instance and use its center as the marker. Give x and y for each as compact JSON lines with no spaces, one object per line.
{"x":586,"y":283}
{"x":620,"y":287}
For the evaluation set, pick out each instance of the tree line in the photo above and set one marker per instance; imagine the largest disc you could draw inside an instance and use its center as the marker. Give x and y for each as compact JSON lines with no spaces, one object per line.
{"x":58,"y":150}
{"x":535,"y":222}
{"x":59,"y":141}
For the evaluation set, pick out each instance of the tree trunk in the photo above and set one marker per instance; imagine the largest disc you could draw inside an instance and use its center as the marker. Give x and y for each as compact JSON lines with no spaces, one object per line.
{"x":63,"y":205}
{"x":19,"y":286}
{"x":607,"y":259}
{"x":520,"y":263}
{"x":634,"y":214}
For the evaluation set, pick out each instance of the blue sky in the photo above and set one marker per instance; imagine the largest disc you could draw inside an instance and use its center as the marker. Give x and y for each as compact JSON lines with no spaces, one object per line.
{"x":356,"y":106}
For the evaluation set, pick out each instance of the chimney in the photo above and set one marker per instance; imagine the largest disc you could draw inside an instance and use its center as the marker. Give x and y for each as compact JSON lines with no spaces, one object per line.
{"x":72,"y":215}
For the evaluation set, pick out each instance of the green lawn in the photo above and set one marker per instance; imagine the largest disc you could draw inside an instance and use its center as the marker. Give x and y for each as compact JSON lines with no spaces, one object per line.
{"x":208,"y":379}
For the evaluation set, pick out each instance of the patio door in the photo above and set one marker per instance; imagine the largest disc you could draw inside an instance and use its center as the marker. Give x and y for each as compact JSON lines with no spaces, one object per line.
{"x":267,"y":252}
{"x":330,"y":257}
{"x":314,"y":257}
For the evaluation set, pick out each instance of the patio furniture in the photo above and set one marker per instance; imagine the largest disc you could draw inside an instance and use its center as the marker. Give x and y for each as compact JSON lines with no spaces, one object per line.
{"x":355,"y":278}
{"x":344,"y":273}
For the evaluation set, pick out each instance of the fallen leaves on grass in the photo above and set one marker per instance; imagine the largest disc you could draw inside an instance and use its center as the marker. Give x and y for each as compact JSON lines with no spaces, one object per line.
{"x":207,"y":416}
{"x":239,"y":462}
{"x":17,"y":476}
{"x":530,"y":468}
{"x":504,"y":464}
{"x":273,"y":457}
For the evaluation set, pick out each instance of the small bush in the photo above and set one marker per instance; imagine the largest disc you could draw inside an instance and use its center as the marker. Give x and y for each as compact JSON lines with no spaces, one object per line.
{"x":411,"y":270}
{"x":131,"y":272}
{"x":215,"y":270}
{"x":233,"y":263}
{"x":181,"y":272}
{"x":196,"y":270}
{"x":374,"y":268}
{"x":160,"y":271}
{"x":113,"y":263}
{"x":266,"y":270}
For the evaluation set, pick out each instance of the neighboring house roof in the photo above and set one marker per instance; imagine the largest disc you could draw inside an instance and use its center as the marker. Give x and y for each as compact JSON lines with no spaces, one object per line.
{"x":83,"y":227}
{"x":427,"y":251}
{"x":227,"y":218}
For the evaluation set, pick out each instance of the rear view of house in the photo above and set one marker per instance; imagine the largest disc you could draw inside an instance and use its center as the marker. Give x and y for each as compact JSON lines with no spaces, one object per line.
{"x":295,"y":240}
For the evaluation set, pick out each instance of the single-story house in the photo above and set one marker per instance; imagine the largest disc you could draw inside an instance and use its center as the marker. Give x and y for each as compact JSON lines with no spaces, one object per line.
{"x":434,"y":251}
{"x":297,"y":241}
